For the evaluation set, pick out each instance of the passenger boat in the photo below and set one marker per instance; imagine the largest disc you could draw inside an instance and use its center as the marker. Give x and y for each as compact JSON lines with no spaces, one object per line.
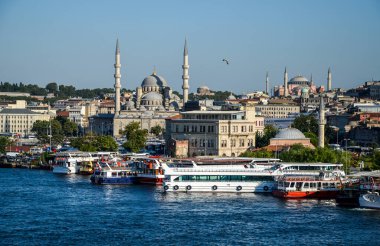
{"x":370,"y":199}
{"x":70,"y":162}
{"x":115,"y":174}
{"x":321,"y":187}
{"x":148,"y":170}
{"x":189,"y":176}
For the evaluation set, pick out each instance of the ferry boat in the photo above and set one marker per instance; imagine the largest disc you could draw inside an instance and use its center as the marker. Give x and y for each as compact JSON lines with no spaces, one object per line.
{"x":321,"y":187}
{"x":190,"y":176}
{"x":148,"y":170}
{"x":115,"y":174}
{"x":70,"y":162}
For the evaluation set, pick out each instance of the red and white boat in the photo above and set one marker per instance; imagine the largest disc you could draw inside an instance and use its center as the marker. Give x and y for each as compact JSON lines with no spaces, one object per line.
{"x":148,"y":170}
{"x":318,"y":187}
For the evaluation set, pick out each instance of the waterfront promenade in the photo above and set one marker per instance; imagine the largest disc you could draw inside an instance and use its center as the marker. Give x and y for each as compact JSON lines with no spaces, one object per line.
{"x":40,"y":208}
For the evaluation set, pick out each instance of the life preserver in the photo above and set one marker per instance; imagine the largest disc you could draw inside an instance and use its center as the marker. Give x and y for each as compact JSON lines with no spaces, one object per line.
{"x":188,"y":187}
{"x":214,"y":187}
{"x":238,"y":188}
{"x":266,"y":188}
{"x":166,"y":187}
{"x":175,"y":187}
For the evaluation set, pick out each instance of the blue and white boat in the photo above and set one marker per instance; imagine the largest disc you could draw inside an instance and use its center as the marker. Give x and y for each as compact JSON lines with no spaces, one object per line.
{"x":118,"y":174}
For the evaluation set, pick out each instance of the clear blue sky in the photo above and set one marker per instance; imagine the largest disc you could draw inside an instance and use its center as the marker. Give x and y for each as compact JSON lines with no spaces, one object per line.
{"x":73,"y":42}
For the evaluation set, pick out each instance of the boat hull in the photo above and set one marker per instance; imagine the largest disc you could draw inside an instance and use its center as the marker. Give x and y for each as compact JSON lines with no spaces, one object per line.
{"x":369,"y":200}
{"x":64,"y":170}
{"x":113,"y":181}
{"x":326,"y":194}
{"x":225,"y":187}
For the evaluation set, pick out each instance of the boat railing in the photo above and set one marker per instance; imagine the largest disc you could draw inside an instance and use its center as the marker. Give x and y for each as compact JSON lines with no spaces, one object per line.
{"x":198,"y":170}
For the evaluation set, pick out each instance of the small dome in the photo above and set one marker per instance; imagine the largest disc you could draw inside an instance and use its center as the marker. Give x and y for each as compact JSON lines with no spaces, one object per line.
{"x":298,"y":79}
{"x":204,"y":87}
{"x":231,"y":97}
{"x":290,"y":133}
{"x":305,"y":90}
{"x":152,"y":96}
{"x":154,"y":80}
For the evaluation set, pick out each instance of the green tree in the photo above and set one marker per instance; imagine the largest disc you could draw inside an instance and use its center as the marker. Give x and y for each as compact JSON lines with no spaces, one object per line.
{"x":306,"y":123}
{"x":95,"y":143}
{"x":258,"y":154}
{"x":4,"y":142}
{"x":156,"y":130}
{"x":70,"y":128}
{"x":263,"y":139}
{"x":52,"y":87}
{"x":136,"y":137}
{"x":42,"y":130}
{"x":313,"y":138}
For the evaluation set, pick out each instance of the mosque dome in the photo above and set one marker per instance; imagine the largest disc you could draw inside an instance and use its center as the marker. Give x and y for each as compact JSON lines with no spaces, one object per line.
{"x":290,"y":133}
{"x":299,"y":80}
{"x":305,"y":90}
{"x":231,"y":97}
{"x":152,"y":96}
{"x":153,"y":81}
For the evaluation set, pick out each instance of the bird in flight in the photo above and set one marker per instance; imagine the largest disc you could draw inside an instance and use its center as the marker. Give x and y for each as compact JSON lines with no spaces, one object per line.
{"x":226,"y":61}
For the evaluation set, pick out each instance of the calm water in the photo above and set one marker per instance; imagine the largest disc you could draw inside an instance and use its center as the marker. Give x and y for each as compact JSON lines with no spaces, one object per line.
{"x":40,"y":208}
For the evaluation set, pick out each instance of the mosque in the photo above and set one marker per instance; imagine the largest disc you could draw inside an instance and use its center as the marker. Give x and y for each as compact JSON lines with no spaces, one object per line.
{"x":299,"y":85}
{"x":152,"y":103}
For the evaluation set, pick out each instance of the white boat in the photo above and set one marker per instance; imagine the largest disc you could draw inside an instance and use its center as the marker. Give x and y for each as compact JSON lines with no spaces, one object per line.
{"x":70,"y":162}
{"x":370,"y":200}
{"x":237,"y":178}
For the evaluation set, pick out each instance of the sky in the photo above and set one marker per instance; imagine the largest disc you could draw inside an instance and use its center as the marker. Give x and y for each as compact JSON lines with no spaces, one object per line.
{"x":72,"y":42}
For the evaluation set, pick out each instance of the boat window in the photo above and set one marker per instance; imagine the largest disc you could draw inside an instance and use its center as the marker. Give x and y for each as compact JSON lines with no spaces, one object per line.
{"x":114,"y":174}
{"x":319,"y":184}
{"x":235,"y":178}
{"x":292,"y":184}
{"x":225,"y":178}
{"x":313,"y":185}
{"x":332,"y":185}
{"x":287,"y":184}
{"x":214,"y":178}
{"x":306,"y":185}
{"x":325,"y":185}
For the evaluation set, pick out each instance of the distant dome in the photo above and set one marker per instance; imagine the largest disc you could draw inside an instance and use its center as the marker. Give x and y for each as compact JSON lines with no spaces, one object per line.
{"x":154,"y":80}
{"x":231,"y":97}
{"x":290,"y":133}
{"x":305,"y":90}
{"x":299,"y":80}
{"x":204,"y":87}
{"x":152,"y":96}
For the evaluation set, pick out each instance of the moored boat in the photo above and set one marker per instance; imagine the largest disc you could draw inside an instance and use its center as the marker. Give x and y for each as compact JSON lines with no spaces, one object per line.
{"x":370,"y":200}
{"x":318,"y":187}
{"x":148,"y":171}
{"x":107,"y":174}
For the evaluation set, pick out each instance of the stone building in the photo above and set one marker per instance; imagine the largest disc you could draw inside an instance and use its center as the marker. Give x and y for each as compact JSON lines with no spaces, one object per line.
{"x":19,"y":121}
{"x":219,"y":133}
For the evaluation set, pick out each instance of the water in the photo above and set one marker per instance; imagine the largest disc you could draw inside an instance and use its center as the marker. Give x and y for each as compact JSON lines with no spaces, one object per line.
{"x":41,"y":208}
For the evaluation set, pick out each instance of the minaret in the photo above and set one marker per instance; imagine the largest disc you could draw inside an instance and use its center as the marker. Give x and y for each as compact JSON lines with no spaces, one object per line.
{"x":185,"y":76}
{"x":117,"y":79}
{"x":267,"y":85}
{"x":329,"y":80}
{"x":321,"y":123}
{"x":286,"y":83}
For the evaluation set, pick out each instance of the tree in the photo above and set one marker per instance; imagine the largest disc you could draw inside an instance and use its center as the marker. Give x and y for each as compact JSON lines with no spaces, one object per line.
{"x":95,"y":143}
{"x":258,"y":154}
{"x":42,"y":130}
{"x":70,"y":128}
{"x":136,"y":137}
{"x":263,"y":139}
{"x":156,"y":130}
{"x":306,"y":123}
{"x":313,"y":138}
{"x":4,"y":142}
{"x":52,"y":87}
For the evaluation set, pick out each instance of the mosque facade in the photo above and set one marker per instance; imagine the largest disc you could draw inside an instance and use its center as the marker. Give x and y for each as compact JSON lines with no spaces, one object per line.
{"x":152,"y":102}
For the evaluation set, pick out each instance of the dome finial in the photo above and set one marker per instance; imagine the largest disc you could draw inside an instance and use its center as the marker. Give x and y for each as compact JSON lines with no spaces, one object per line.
{"x":154,"y":70}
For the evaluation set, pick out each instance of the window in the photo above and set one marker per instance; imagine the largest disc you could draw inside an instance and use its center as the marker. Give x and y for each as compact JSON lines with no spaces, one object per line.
{"x":210,"y":128}
{"x":224,"y":143}
{"x":243,"y":128}
{"x":233,"y":142}
{"x":241,"y":143}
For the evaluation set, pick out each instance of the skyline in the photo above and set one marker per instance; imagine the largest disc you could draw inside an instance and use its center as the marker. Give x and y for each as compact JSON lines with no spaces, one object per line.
{"x":74,"y":43}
